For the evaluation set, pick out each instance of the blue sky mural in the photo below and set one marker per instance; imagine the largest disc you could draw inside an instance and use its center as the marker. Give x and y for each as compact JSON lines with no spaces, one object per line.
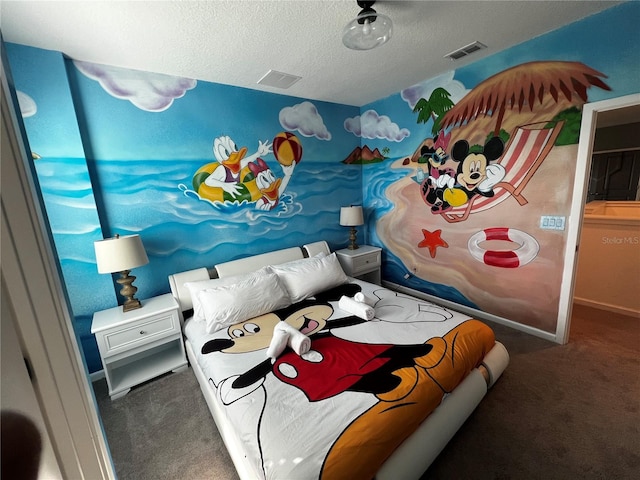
{"x":194,"y":113}
{"x":118,"y":152}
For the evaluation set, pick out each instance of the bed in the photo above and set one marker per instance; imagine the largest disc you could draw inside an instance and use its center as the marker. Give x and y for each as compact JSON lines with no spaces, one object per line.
{"x":367,"y":395}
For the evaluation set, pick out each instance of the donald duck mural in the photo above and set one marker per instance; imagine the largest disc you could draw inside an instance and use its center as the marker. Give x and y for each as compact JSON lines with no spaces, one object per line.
{"x":236,"y":178}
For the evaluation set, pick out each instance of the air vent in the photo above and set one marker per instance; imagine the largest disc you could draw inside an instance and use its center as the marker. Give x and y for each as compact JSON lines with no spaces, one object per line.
{"x":466,"y":50}
{"x":278,"y":79}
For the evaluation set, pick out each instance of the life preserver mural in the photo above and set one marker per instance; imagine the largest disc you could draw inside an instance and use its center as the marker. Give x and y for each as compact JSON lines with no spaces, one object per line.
{"x":526,"y":251}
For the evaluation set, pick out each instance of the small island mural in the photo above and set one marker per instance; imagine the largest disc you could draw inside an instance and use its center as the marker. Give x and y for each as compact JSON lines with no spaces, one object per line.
{"x":364,"y":155}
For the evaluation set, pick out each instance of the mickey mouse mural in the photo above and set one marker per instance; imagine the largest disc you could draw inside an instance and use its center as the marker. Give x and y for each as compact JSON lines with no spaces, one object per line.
{"x":475,"y":175}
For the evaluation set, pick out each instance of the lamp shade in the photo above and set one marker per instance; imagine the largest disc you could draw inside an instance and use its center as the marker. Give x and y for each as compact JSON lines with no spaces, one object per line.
{"x":120,"y":253}
{"x":368,"y":30}
{"x":351,"y":216}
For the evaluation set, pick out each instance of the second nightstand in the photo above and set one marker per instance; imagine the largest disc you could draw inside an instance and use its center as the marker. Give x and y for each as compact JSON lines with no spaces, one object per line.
{"x":140,"y":344}
{"x":363,"y":263}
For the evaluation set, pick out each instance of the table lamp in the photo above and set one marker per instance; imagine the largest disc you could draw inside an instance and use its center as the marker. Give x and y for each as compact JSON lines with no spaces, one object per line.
{"x":121,"y":254}
{"x":351,"y":217}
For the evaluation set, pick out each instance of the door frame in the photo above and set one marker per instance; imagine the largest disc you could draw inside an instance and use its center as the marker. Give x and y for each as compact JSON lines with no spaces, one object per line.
{"x":33,"y":292}
{"x":574,"y":225}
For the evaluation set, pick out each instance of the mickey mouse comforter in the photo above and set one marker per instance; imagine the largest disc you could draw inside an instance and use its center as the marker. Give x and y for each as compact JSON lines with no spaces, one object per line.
{"x":339,"y":410}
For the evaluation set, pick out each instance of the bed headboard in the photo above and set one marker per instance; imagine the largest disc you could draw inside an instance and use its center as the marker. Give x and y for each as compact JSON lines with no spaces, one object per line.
{"x":238,"y":267}
{"x":256,"y":262}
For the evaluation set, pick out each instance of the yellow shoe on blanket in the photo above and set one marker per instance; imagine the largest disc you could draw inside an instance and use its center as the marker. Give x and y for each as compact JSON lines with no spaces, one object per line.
{"x":371,"y":438}
{"x":367,"y":442}
{"x":409,"y":376}
{"x":457,"y":353}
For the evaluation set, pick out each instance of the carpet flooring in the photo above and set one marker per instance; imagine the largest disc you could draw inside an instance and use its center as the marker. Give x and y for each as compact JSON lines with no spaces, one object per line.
{"x":558,"y":412}
{"x":163,"y":430}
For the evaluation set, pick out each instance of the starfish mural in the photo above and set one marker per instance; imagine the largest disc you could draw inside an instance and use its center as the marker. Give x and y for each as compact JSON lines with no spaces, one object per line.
{"x":432,"y":241}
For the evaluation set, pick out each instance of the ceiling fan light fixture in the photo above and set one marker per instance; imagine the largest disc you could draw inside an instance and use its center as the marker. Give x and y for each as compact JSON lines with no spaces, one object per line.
{"x":368,"y":30}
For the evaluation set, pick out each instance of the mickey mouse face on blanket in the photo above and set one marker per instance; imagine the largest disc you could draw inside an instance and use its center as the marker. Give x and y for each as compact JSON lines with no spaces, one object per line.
{"x":252,"y":334}
{"x":310,"y":319}
{"x":256,"y":333}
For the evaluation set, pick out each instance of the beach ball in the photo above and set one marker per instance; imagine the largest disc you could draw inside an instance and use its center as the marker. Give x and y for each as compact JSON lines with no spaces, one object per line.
{"x":287,"y":148}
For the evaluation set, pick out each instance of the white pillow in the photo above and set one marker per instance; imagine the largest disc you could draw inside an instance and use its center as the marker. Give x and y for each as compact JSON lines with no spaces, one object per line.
{"x":196,"y":287}
{"x":304,"y":278}
{"x":230,"y":304}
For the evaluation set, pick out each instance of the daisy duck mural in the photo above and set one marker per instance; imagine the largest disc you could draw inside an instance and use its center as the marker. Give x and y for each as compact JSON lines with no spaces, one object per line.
{"x":236,"y":177}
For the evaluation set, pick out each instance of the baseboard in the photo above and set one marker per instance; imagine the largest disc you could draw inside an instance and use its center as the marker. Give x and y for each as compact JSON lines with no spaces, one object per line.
{"x":479,"y":314}
{"x":95,"y":376}
{"x":607,"y":306}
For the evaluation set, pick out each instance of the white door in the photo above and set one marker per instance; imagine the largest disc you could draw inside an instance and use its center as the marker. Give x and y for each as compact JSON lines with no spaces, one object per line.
{"x":18,"y":394}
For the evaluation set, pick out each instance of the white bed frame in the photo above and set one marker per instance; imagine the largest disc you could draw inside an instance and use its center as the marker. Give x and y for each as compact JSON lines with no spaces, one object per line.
{"x":412,"y":458}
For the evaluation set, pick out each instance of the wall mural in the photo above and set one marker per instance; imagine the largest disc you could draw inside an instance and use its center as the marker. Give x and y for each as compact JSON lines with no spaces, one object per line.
{"x":480,"y":230}
{"x":455,"y":173}
{"x":244,"y":190}
{"x":455,"y":220}
{"x":474,"y":203}
{"x":162,"y":161}
{"x":236,"y":178}
{"x":468,"y":183}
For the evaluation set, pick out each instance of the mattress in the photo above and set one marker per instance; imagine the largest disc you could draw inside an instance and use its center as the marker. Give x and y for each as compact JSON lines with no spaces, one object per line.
{"x":344,"y":408}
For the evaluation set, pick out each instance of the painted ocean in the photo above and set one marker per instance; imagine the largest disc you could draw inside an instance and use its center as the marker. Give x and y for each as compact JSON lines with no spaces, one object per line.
{"x":181,"y":231}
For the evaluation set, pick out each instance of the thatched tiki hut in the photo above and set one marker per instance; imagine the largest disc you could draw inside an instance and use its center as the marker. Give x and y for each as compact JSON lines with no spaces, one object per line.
{"x":523,"y":85}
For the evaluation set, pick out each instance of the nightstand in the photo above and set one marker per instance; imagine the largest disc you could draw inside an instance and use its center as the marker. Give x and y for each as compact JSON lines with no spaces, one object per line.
{"x":363,"y":263}
{"x":139,"y":345}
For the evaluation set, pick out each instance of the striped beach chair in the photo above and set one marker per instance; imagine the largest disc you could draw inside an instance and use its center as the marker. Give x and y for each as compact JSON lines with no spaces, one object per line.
{"x":527,"y":149}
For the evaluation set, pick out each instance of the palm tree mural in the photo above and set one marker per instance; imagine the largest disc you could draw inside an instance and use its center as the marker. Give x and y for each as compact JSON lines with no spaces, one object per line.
{"x":523,"y":85}
{"x":433,"y":109}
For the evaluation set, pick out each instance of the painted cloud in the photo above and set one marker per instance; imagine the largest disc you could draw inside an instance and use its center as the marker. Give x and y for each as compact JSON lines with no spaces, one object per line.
{"x":372,"y":125}
{"x":455,"y":88}
{"x":153,"y":92}
{"x":28,"y":106}
{"x":304,"y":118}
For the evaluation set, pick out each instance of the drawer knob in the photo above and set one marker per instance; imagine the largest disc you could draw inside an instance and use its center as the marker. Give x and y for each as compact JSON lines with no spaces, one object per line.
{"x":142,"y":332}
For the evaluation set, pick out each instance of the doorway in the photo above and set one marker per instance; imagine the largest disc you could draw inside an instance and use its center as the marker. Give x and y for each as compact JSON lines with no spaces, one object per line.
{"x":615,"y":174}
{"x":615,"y":111}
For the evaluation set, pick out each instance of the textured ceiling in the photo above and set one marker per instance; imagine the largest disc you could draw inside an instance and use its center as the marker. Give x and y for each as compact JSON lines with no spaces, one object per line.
{"x":236,"y":42}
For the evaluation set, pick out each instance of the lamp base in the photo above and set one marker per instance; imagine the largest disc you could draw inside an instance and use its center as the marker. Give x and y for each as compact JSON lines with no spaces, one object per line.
{"x":352,"y":238}
{"x":128,"y":291}
{"x":131,"y":304}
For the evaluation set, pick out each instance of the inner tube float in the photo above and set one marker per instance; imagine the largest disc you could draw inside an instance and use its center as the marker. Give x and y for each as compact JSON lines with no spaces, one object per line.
{"x":522,"y":255}
{"x":248,"y":190}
